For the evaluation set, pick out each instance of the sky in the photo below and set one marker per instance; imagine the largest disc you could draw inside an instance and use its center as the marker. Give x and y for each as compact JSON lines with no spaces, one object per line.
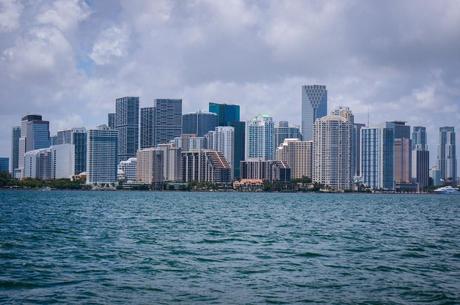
{"x":68,"y":60}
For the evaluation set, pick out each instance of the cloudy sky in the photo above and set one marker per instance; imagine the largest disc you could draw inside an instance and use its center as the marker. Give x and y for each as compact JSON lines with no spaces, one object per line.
{"x":68,"y":60}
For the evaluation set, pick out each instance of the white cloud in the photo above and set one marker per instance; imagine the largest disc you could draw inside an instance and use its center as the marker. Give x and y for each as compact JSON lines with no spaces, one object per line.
{"x":64,"y":14}
{"x":111,"y":44}
{"x":10,"y":13}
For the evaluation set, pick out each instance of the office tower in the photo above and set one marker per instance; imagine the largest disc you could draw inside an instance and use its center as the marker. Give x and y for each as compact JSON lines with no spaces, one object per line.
{"x":400,"y":129}
{"x":4,"y":164}
{"x":229,"y":115}
{"x":298,"y":155}
{"x":127,"y":124}
{"x":205,"y":166}
{"x":147,"y":130}
{"x":266,"y":170}
{"x":420,"y":157}
{"x":127,"y":170}
{"x":447,"y":155}
{"x":111,"y":120}
{"x":35,"y":134}
{"x":101,"y":160}
{"x":168,"y":120}
{"x":15,"y":135}
{"x":172,"y":162}
{"x":198,"y":123}
{"x":260,"y":138}
{"x":149,"y":168}
{"x":284,"y":131}
{"x":314,"y":106}
{"x":356,"y":149}
{"x":332,"y":152}
{"x":77,"y":137}
{"x":402,"y":157}
{"x":435,"y":174}
{"x":376,"y":165}
{"x":226,"y":113}
{"x":55,"y":162}
{"x":223,"y":139}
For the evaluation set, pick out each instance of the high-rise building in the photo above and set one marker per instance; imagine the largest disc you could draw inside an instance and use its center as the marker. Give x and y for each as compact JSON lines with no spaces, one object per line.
{"x":376,"y":165}
{"x":314,"y":106}
{"x":77,"y":137}
{"x":150,"y":166}
{"x":226,"y":113}
{"x":447,"y":155}
{"x":402,"y":157}
{"x":332,"y":152}
{"x":101,"y":160}
{"x":111,"y":120}
{"x":205,"y":166}
{"x":183,"y":141}
{"x":55,"y":162}
{"x":229,"y":115}
{"x":223,"y":139}
{"x":198,"y":123}
{"x":127,"y":124}
{"x":168,"y":120}
{"x":284,"y":131}
{"x":420,"y":157}
{"x":35,"y":134}
{"x":127,"y":170}
{"x":298,"y":155}
{"x":15,"y":135}
{"x":267,"y":170}
{"x":147,"y":129}
{"x":172,"y":162}
{"x":4,"y":164}
{"x":435,"y":174}
{"x":356,"y":149}
{"x":196,"y":143}
{"x":260,"y":138}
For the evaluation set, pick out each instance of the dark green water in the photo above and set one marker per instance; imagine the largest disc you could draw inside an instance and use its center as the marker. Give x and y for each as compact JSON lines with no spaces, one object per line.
{"x":228,"y":248}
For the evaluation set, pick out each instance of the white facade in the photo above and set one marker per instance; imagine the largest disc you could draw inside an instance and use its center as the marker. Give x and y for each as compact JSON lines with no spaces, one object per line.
{"x":223,"y":139}
{"x":55,"y":162}
{"x":127,"y":170}
{"x":101,"y":160}
{"x":260,"y":138}
{"x":172,"y":162}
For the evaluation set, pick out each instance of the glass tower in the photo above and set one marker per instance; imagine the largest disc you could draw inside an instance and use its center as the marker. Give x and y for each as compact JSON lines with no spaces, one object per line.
{"x":447,"y":154}
{"x":314,"y":106}
{"x":127,"y":124}
{"x":167,"y":121}
{"x":198,"y":123}
{"x":226,"y":113}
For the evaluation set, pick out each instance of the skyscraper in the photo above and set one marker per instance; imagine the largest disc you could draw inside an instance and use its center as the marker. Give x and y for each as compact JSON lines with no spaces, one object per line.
{"x":111,"y":120}
{"x":402,"y":156}
{"x":284,"y":131}
{"x":420,"y":157}
{"x":77,"y":137}
{"x":226,"y":113}
{"x":266,"y":170}
{"x":15,"y":135}
{"x":356,"y":149}
{"x":168,"y":120}
{"x":102,"y":148}
{"x":298,"y":155}
{"x":260,"y":138}
{"x":55,"y":162}
{"x":332,"y":152}
{"x":35,"y":134}
{"x":4,"y":164}
{"x":198,"y":123}
{"x":447,"y":154}
{"x":150,"y":166}
{"x":127,"y":124}
{"x":205,"y":166}
{"x":147,"y":130}
{"x":314,"y":106}
{"x":376,"y":165}
{"x":223,"y":139}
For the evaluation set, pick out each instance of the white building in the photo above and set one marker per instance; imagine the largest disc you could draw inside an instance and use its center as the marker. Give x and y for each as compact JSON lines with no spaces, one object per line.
{"x":127,"y":170}
{"x":172,"y":162}
{"x":298,"y":155}
{"x":223,"y":139}
{"x":260,"y":138}
{"x":55,"y":162}
{"x":101,"y":160}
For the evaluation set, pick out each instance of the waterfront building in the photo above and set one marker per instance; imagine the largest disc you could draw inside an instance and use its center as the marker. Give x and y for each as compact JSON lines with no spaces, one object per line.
{"x":223,"y":139}
{"x":101,"y":160}
{"x":196,"y":143}
{"x":314,"y":106}
{"x":332,"y":152}
{"x":266,"y":170}
{"x":419,"y":137}
{"x":447,"y":155}
{"x":77,"y":137}
{"x":149,"y":169}
{"x":127,"y":125}
{"x":435,"y":175}
{"x":376,"y":165}
{"x":205,"y":166}
{"x":356,"y":149}
{"x":15,"y":135}
{"x":226,"y":113}
{"x":402,"y":156}
{"x":183,"y":141}
{"x":111,"y":120}
{"x":55,"y":162}
{"x":298,"y":155}
{"x":198,"y":123}
{"x":420,"y":157}
{"x":127,"y":170}
{"x":147,"y":127}
{"x":284,"y":131}
{"x":4,"y":164}
{"x":168,"y":120}
{"x":260,"y":138}
{"x":35,"y":134}
{"x":172,"y":162}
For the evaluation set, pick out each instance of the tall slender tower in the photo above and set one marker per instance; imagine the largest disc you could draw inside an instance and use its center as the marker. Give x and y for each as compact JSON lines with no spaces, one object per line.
{"x":127,"y":124}
{"x":15,"y":135}
{"x":260,"y":138}
{"x":420,"y":157}
{"x":168,"y":120}
{"x":101,"y":161}
{"x":314,"y":106}
{"x":447,"y":154}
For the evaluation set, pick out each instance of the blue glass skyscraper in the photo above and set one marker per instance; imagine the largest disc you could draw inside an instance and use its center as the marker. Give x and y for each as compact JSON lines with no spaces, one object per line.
{"x":198,"y":123}
{"x":127,"y":124}
{"x":226,"y":113}
{"x":314,"y":106}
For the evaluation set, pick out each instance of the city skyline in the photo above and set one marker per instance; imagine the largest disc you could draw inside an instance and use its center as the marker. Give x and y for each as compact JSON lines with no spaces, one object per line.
{"x":409,"y":75}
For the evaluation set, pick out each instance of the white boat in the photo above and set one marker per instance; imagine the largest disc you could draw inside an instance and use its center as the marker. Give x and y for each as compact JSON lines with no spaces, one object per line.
{"x":449,"y":190}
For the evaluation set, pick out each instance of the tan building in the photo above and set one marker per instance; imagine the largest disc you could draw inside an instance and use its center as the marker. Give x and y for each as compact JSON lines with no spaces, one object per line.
{"x":298,"y":155}
{"x":205,"y":166}
{"x":149,"y":168}
{"x":402,"y":160}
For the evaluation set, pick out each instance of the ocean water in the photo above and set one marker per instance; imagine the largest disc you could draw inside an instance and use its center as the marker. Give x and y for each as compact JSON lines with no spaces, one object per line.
{"x":73,"y":247}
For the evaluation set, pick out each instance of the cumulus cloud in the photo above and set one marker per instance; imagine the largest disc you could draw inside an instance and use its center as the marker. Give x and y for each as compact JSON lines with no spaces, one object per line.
{"x":64,"y":14}
{"x":112,"y":43}
{"x":10,"y":12}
